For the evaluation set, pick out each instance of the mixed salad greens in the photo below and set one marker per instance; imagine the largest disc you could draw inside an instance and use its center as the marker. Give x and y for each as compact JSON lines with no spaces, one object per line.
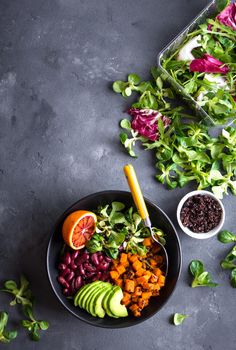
{"x":185,"y":151}
{"x":205,"y":64}
{"x":120,"y":229}
{"x":184,"y":148}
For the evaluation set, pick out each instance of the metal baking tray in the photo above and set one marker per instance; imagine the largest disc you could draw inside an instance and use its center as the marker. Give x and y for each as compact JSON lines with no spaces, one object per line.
{"x":209,"y":11}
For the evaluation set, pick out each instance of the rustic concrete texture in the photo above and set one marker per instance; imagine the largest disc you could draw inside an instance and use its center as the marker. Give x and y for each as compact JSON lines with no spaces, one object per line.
{"x":59,"y":142}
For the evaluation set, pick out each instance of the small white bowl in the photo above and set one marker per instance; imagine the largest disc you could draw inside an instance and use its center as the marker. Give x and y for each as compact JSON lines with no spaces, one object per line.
{"x":200,"y":235}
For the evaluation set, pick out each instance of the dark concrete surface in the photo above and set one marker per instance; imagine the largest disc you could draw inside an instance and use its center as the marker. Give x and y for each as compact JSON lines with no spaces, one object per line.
{"x":59,"y":142}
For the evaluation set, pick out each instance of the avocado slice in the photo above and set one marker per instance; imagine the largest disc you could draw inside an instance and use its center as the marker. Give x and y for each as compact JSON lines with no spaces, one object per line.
{"x":87,"y":294}
{"x":105,"y":304}
{"x":98,"y":309}
{"x":89,"y":301}
{"x":78,"y":294}
{"x":114,"y":304}
{"x":81,"y":293}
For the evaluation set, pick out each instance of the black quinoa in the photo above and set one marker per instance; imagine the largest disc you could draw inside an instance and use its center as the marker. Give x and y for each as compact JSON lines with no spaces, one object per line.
{"x":201,"y":213}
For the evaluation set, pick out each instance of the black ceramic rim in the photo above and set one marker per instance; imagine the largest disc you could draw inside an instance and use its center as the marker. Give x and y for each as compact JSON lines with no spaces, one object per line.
{"x":140,"y":320}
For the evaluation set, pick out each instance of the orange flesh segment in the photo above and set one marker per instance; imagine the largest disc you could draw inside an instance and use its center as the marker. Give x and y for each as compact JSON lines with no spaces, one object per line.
{"x":83,"y":231}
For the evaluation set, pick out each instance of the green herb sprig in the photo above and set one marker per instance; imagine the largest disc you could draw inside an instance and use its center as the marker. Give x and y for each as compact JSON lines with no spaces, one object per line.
{"x":32,"y":325}
{"x":5,"y":335}
{"x":23,"y":295}
{"x":202,"y":278}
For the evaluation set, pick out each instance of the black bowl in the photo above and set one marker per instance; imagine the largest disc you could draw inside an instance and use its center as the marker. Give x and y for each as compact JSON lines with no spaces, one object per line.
{"x":158,"y":218}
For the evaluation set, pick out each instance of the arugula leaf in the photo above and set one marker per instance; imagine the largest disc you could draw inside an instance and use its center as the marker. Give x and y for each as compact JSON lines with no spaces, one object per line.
{"x":202,"y":278}
{"x":179,"y":318}
{"x":5,"y":336}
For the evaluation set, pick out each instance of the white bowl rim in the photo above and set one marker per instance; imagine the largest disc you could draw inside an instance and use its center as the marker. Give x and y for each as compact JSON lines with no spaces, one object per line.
{"x":200,"y":235}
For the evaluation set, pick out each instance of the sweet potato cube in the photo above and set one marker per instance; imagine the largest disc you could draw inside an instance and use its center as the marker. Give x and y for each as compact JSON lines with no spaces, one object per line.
{"x":156,"y":286}
{"x":161,"y":280}
{"x":133,"y":258}
{"x":153,"y":262}
{"x":146,"y":295}
{"x":137,"y":265}
{"x":120,"y":269}
{"x":147,"y":242}
{"x":138,"y":291}
{"x":141,"y":280}
{"x":123,"y":258}
{"x":142,"y":303}
{"x":114,"y":275}
{"x":140,"y":272}
{"x":157,"y":272}
{"x":126,"y":299}
{"x":119,"y":282}
{"x":129,"y":286}
{"x":153,"y":279}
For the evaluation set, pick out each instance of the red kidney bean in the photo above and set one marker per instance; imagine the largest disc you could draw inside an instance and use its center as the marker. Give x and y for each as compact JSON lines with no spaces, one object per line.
{"x":70,"y":276}
{"x":84,"y":257}
{"x":67,"y":258}
{"x":99,"y":274}
{"x":75,"y":254}
{"x":107,"y":259}
{"x":63,"y":282}
{"x":103,"y":266}
{"x":94,"y":258}
{"x":81,"y":270}
{"x":65,"y":272}
{"x":72,"y":265}
{"x":100,"y":258}
{"x":72,"y":286}
{"x":61,"y":266}
{"x":78,"y":282}
{"x":66,"y":292}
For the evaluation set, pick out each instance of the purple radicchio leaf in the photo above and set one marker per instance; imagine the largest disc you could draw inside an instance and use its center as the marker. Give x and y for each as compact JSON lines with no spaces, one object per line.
{"x":145,"y":122}
{"x":228,"y":16}
{"x":208,"y":64}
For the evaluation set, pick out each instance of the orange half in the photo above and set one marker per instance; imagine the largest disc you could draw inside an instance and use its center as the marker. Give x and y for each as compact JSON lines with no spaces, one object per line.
{"x":78,"y":228}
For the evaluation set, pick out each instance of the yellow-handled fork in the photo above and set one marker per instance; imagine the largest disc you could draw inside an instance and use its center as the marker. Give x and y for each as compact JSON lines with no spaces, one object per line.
{"x":141,"y":206}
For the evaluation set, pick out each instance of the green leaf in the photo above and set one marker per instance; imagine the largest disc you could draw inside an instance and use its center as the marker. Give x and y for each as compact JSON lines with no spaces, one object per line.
{"x":43,"y":325}
{"x":196,"y":268}
{"x":227,"y":265}
{"x":125,"y":124}
{"x":134,"y":79}
{"x":117,"y":206}
{"x":35,"y":334}
{"x":179,"y":318}
{"x":118,"y":86}
{"x":201,"y":278}
{"x":226,"y":237}
{"x":123,"y":138}
{"x":3,"y":320}
{"x":10,"y":335}
{"x":233,"y":278}
{"x":5,"y":335}
{"x":11,"y":285}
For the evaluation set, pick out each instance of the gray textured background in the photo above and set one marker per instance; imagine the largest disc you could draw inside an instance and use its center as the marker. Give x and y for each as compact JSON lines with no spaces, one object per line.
{"x":59,"y":142}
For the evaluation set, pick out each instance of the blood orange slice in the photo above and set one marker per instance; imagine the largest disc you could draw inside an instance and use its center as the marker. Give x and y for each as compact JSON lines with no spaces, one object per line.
{"x":78,"y":228}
